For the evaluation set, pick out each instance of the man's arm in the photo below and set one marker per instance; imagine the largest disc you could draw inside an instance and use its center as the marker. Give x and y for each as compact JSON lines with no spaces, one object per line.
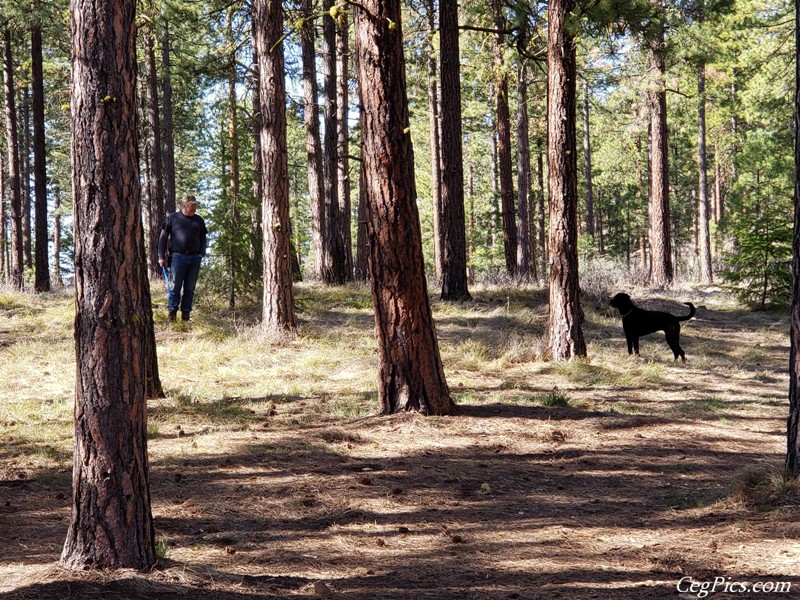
{"x":163,"y":239}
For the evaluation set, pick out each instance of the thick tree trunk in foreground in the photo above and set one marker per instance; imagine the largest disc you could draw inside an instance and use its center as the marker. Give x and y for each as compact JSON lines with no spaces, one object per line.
{"x":278,"y":300}
{"x":411,"y":373}
{"x":566,"y":335}
{"x":111,"y":525}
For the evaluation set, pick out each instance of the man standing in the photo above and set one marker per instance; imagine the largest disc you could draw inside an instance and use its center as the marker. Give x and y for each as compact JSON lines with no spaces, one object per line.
{"x":183,"y":237}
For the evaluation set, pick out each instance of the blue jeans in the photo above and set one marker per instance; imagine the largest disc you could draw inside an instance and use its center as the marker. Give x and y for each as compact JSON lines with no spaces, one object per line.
{"x":185,"y":271}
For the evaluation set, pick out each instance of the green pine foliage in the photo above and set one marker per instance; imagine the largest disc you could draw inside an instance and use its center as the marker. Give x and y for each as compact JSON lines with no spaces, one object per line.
{"x":746,"y":46}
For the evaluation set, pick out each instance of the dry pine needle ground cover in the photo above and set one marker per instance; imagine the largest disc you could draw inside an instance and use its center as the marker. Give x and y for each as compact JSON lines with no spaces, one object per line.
{"x":271,"y":475}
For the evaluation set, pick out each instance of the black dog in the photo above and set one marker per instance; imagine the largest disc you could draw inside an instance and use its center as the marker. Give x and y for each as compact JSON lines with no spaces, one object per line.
{"x":637,"y":322}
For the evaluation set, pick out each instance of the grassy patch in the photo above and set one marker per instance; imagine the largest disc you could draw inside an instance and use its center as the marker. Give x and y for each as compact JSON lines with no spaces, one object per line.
{"x":707,"y":405}
{"x":765,"y":487}
{"x":553,"y":399}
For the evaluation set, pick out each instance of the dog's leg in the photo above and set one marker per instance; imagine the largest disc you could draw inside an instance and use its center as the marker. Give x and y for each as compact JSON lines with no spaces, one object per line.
{"x":672,"y":339}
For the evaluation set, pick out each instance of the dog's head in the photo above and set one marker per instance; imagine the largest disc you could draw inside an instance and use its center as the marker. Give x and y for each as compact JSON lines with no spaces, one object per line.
{"x":622,"y":302}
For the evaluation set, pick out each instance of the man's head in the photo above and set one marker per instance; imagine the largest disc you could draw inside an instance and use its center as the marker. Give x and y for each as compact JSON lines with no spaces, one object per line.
{"x":189,"y":205}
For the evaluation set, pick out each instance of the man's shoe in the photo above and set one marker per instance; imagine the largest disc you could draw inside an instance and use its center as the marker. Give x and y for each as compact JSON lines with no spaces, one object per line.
{"x":185,"y":315}
{"x":172,"y":315}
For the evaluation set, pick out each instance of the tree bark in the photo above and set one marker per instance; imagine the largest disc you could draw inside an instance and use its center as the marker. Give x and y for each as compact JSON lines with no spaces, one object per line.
{"x":111,"y":524}
{"x":411,"y":373}
{"x":25,"y":178}
{"x":793,"y":420}
{"x":314,"y":168}
{"x":335,"y":268}
{"x":451,"y":223}
{"x":278,"y":300}
{"x":523,"y":175}
{"x":661,"y":268}
{"x":12,"y":143}
{"x":566,"y":316}
{"x":42,"y":270}
{"x":343,"y":142}
{"x":168,"y":139}
{"x":435,"y":124}
{"x":155,"y":193}
{"x":504,"y":144}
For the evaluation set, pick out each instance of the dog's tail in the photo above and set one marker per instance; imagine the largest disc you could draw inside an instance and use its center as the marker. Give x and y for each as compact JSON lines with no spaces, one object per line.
{"x":692,"y":310}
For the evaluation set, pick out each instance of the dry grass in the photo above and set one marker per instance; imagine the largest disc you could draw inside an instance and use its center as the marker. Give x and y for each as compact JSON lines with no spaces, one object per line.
{"x":271,"y":474}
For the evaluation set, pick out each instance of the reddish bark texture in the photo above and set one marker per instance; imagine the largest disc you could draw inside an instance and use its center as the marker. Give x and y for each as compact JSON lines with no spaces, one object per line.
{"x":411,"y":374}
{"x":278,"y":308}
{"x":566,"y":335}
{"x":111,"y":525}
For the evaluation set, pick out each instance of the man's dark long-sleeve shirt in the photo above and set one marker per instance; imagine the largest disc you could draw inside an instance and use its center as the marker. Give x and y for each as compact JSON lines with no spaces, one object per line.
{"x":182,"y":234}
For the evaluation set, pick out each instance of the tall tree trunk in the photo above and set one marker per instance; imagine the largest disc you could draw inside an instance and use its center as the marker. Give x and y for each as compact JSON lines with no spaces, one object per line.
{"x":587,"y":162}
{"x":451,"y":222}
{"x":278,"y":300}
{"x":523,"y":174}
{"x":703,"y":237}
{"x":566,"y":316}
{"x":313,"y":144}
{"x":25,"y":178}
{"x":335,"y":268}
{"x":793,"y":421}
{"x":12,"y":143}
{"x":111,"y":525}
{"x":233,"y":142}
{"x":434,"y":120}
{"x":168,"y":140}
{"x":155,"y":193}
{"x":661,"y":268}
{"x":42,"y":271}
{"x":411,"y":372}
{"x":343,"y":142}
{"x":504,"y":144}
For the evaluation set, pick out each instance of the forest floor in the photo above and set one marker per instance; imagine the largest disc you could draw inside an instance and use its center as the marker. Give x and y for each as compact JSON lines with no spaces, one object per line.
{"x":272,"y":476}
